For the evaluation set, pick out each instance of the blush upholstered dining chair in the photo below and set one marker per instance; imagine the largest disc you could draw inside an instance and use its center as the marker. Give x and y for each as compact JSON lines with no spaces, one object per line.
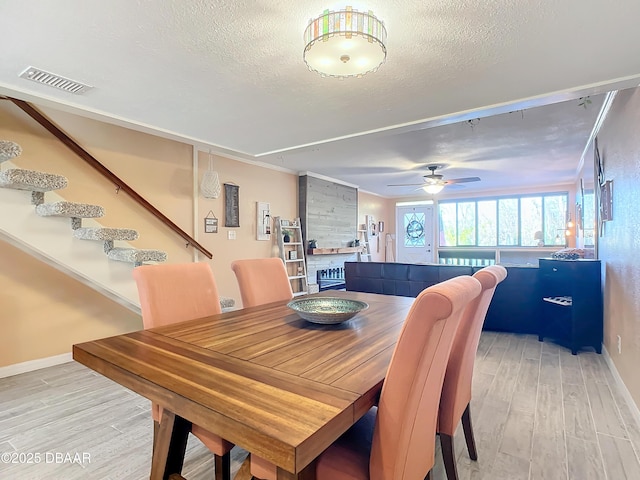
{"x":262,"y":280}
{"x":171,"y":293}
{"x":456,"y":390}
{"x":398,"y":441}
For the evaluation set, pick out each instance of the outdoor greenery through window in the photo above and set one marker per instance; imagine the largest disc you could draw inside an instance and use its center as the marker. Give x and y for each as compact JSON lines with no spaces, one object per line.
{"x":525,"y":221}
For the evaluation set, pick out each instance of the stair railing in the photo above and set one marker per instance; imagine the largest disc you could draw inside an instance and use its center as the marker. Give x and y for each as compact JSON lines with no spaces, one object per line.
{"x":91,"y":160}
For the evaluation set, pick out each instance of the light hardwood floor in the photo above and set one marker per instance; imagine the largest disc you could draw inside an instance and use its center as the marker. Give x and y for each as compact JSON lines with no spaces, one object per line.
{"x":538,"y":412}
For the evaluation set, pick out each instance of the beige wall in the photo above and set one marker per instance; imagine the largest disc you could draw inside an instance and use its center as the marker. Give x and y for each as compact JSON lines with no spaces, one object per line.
{"x":256,"y":184}
{"x":383,"y":209}
{"x":618,"y":247}
{"x":44,"y":312}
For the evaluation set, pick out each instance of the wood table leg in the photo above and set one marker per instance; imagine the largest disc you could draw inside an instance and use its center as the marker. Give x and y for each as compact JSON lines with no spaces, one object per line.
{"x":170,"y":446}
{"x":309,"y":473}
{"x":244,"y":473}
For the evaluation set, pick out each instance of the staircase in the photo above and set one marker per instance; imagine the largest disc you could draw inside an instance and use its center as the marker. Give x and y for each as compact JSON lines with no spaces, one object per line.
{"x":50,"y":239}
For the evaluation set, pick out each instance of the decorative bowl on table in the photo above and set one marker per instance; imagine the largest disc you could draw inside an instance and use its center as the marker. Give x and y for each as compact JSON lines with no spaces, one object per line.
{"x":327,"y":310}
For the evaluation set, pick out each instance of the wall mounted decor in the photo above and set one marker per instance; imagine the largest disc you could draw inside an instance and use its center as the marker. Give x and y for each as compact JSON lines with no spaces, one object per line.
{"x":372,"y":226}
{"x":231,"y":205}
{"x":210,"y":186}
{"x":579,"y":217}
{"x":263,"y":221}
{"x":603,"y":190}
{"x":606,"y":201}
{"x":210,"y":223}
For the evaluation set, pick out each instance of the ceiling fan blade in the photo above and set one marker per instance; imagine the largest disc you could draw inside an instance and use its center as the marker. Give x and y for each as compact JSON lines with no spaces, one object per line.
{"x":406,"y":184}
{"x":463,"y":180}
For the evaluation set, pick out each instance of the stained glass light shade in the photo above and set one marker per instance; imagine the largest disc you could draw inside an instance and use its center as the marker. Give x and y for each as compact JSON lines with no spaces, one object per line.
{"x":345,"y":43}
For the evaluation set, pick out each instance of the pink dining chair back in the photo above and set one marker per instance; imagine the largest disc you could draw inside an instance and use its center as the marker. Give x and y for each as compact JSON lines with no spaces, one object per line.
{"x":262,"y":280}
{"x":404,"y":436}
{"x":171,"y":293}
{"x":456,"y":390}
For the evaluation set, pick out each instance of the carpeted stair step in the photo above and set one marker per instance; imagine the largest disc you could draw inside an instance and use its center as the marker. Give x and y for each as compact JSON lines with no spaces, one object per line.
{"x":136,"y":256}
{"x":75,"y":211}
{"x":69,"y":209}
{"x":9,"y":150}
{"x":105,"y":234}
{"x":226,"y":302}
{"x":33,"y":180}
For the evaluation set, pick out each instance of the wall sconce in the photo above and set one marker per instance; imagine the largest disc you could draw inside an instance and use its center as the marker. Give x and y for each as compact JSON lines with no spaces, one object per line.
{"x":570,"y":223}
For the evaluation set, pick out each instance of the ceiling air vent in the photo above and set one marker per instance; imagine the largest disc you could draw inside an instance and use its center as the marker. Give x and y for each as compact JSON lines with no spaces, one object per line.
{"x":56,"y":81}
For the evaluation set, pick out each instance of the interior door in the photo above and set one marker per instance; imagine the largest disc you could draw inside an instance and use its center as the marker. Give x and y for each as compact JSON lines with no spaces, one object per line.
{"x":414,"y":234}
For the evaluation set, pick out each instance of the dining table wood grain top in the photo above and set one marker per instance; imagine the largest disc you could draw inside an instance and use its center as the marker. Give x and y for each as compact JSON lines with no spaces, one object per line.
{"x":262,"y":377}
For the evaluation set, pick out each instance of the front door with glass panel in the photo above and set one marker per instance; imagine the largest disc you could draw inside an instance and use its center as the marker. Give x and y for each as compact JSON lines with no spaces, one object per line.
{"x":414,"y":234}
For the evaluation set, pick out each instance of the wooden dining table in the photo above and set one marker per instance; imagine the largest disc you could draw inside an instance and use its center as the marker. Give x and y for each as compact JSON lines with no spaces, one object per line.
{"x":263,"y":378}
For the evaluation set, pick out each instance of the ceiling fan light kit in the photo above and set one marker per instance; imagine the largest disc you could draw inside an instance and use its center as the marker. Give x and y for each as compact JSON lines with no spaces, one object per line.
{"x":345,"y":43}
{"x":433,"y":188}
{"x":434,"y":182}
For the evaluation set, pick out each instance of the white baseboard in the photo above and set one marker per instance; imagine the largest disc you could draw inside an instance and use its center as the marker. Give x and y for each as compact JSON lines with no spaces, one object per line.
{"x":32,"y":365}
{"x":623,"y":388}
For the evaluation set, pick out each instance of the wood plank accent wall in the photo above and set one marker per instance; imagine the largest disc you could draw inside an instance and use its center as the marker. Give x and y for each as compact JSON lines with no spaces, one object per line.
{"x":328,"y":214}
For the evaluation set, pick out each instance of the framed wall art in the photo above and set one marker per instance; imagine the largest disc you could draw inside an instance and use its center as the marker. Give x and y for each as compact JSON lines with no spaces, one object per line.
{"x":231,"y":205}
{"x":210,"y":223}
{"x":263,"y":221}
{"x":606,"y":201}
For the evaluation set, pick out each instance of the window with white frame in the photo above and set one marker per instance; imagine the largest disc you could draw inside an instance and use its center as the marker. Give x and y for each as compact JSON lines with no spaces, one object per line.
{"x":514,"y":221}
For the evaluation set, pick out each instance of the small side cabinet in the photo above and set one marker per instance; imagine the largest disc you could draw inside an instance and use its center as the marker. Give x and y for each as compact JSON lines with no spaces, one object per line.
{"x":571,"y":303}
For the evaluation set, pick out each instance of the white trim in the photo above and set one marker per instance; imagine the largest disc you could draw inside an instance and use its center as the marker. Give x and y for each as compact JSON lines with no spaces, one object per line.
{"x":256,"y":163}
{"x":635,"y":412}
{"x":195,"y":204}
{"x":602,"y":115}
{"x":417,"y":202}
{"x":374,"y":194}
{"x":31,"y":365}
{"x":328,"y":179}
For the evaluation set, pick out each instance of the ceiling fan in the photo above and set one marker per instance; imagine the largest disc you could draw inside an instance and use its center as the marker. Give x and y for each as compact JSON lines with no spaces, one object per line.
{"x":434,"y":182}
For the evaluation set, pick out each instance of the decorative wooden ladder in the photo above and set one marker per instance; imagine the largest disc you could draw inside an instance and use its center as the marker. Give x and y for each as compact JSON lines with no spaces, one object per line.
{"x":364,"y":255}
{"x":292,"y":254}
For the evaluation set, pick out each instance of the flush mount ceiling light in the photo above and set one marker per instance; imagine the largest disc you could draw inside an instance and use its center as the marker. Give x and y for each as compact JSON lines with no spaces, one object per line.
{"x":345,"y":43}
{"x":433,"y":188}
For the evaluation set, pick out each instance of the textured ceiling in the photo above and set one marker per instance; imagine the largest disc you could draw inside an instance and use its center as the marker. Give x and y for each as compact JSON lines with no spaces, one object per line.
{"x":229,"y":74}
